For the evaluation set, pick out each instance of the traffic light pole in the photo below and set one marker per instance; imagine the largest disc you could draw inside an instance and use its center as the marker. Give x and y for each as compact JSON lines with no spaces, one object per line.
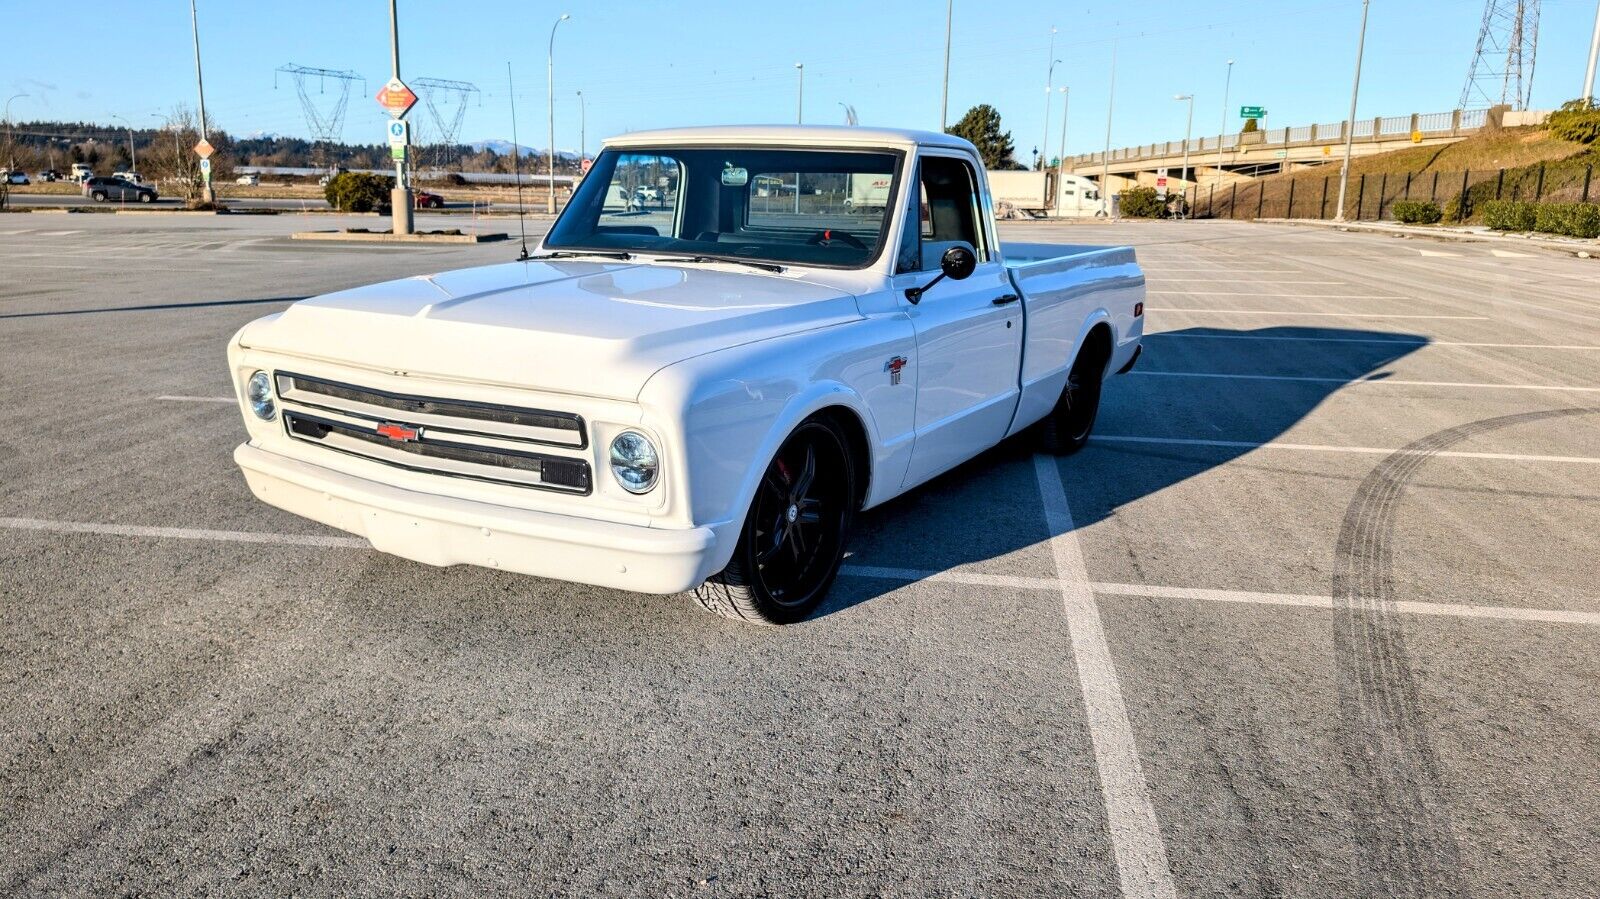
{"x":400,"y":197}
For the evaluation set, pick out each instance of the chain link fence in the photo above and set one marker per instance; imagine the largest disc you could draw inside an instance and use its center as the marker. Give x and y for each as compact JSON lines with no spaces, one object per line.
{"x":1371,"y":197}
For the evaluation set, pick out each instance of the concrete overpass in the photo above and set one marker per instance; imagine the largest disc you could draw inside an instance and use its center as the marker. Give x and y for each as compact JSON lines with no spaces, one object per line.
{"x":1243,"y":156}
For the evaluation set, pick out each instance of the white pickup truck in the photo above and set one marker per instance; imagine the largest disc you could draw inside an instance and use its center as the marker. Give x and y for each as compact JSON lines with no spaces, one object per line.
{"x":697,"y":397}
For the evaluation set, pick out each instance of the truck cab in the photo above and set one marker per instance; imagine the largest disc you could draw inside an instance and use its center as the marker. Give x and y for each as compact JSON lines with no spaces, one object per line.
{"x":695,"y":395}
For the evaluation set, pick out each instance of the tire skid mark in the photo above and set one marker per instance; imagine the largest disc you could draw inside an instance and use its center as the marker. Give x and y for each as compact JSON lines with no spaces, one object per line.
{"x":1406,"y":845}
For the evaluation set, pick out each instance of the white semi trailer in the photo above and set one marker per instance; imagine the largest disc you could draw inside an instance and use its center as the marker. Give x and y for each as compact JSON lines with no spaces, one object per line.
{"x":1028,"y":193}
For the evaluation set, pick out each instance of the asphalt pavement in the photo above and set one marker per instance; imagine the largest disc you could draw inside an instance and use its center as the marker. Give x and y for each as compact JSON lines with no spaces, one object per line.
{"x":1315,"y":614}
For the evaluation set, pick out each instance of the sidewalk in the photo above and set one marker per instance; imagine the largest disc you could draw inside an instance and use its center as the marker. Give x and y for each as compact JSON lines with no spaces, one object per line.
{"x":1583,"y":249}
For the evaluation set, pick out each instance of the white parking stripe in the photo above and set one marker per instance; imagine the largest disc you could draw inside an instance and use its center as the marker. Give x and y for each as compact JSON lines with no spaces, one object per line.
{"x":1413,"y":344}
{"x":1326,"y":448}
{"x":133,"y":530}
{"x":1271,"y":296}
{"x":1135,"y":833}
{"x":909,"y":575}
{"x":1473,"y":318}
{"x":1355,"y":381}
{"x":1193,"y":278}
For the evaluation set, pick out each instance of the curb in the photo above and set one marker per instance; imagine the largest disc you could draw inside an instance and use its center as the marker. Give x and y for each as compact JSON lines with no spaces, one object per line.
{"x":385,"y":237}
{"x":1575,"y":248}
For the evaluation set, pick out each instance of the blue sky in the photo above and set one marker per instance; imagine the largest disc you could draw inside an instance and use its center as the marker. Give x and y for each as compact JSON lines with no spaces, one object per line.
{"x":644,"y":65}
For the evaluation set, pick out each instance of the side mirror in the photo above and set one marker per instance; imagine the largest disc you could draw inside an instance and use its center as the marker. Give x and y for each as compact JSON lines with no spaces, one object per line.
{"x":956,"y":263}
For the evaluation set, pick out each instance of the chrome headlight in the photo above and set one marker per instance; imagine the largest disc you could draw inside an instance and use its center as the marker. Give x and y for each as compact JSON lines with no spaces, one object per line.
{"x":634,"y":462}
{"x":258,"y":390}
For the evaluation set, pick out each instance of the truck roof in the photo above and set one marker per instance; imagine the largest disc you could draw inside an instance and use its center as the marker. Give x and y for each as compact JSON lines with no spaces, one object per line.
{"x":790,"y":135}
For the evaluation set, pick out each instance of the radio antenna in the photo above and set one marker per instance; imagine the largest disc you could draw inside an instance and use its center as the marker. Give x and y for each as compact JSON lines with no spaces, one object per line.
{"x":516,"y":163}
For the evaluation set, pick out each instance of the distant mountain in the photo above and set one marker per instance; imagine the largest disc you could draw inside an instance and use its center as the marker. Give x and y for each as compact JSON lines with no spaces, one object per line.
{"x":503,"y":148}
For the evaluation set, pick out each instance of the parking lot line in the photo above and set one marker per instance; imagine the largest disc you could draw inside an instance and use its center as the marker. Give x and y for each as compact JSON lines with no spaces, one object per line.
{"x":133,"y":530}
{"x":1135,"y":833}
{"x":1326,"y":448}
{"x":1193,"y":278}
{"x":1399,"y":341}
{"x":1367,"y":380}
{"x":1271,"y":296}
{"x":1470,"y":318}
{"x":908,"y":575}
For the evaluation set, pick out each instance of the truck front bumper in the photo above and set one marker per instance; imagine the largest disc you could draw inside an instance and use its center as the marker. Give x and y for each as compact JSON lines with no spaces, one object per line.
{"x":442,"y":530}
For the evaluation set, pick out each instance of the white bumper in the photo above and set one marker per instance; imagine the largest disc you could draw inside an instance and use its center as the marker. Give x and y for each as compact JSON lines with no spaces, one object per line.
{"x":442,"y":530}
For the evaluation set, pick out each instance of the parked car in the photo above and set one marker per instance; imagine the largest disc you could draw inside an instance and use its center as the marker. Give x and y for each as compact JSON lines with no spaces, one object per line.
{"x":81,"y":171}
{"x":50,"y":175}
{"x":133,"y":177}
{"x":16,"y":177}
{"x":249,"y":179}
{"x":120,"y":189}
{"x":425,"y":200}
{"x":698,"y":398}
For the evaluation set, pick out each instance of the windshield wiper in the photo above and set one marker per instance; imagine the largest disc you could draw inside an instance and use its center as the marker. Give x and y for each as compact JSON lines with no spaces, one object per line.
{"x":764,"y":266}
{"x":572,"y":254}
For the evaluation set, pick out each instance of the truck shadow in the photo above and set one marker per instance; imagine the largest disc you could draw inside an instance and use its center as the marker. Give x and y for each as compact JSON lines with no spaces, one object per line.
{"x":986,"y":516}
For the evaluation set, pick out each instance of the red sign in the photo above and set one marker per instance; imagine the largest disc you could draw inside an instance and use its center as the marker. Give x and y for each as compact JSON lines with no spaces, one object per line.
{"x":1161,"y":182}
{"x":204,"y":149}
{"x":396,"y":97}
{"x":585,"y":165}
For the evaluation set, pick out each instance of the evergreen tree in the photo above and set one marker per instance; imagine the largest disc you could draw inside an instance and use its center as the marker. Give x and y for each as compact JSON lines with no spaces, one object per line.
{"x":981,"y":126}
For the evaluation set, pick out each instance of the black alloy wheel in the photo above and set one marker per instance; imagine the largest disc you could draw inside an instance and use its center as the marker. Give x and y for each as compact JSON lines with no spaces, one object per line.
{"x":1066,"y":429}
{"x":794,"y":535}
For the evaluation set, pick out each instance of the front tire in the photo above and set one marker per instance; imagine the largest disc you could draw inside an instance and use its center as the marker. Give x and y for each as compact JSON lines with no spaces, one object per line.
{"x":793,"y":539}
{"x":1066,"y":429}
{"x":147,"y":198}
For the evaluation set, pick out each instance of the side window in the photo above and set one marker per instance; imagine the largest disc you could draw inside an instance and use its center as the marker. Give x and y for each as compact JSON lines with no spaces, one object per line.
{"x":951,"y":209}
{"x":642,"y":197}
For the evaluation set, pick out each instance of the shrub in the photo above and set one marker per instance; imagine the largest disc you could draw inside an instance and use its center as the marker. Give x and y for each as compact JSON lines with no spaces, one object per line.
{"x":1142,"y":202}
{"x":1509,"y":215}
{"x":358,"y":191}
{"x":1417,"y":212}
{"x":1571,"y":219}
{"x":1251,"y":126}
{"x":1576,"y":120}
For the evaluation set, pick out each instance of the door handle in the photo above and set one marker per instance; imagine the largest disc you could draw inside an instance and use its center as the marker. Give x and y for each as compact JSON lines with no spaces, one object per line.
{"x":1005,"y":298}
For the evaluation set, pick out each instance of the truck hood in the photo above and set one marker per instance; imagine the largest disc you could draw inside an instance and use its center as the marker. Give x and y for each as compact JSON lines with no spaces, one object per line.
{"x":585,"y":328}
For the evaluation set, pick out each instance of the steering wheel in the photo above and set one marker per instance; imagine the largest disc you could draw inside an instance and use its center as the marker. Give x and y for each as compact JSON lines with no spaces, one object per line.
{"x":829,"y":237}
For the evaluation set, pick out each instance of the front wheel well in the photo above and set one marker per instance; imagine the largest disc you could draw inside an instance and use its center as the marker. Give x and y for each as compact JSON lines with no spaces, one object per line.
{"x":855,"y":435}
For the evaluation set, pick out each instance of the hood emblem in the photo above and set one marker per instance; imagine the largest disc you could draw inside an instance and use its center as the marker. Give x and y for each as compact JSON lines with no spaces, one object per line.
{"x":399,"y":433}
{"x":893,"y":367}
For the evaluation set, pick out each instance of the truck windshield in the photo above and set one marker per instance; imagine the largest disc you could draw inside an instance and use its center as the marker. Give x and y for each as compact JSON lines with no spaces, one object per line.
{"x":824,"y":208}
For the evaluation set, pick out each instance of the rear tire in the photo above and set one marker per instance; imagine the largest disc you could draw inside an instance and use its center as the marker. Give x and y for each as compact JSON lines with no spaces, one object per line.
{"x":147,"y":198}
{"x":789,"y":550}
{"x":1066,"y":429}
{"x":98,"y":196}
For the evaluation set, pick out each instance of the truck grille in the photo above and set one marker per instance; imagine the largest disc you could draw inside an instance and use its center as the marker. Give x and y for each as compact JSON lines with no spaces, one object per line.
{"x":482,"y":441}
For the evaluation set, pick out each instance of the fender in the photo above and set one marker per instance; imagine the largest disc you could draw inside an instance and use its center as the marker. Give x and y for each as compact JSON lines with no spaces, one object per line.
{"x":1040,"y":396}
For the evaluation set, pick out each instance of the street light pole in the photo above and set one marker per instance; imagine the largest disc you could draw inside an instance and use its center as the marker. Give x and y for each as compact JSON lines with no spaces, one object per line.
{"x":800,"y":96}
{"x":1049,"y":85}
{"x":1227,"y":85}
{"x":1350,"y":124}
{"x":583,"y":131}
{"x":944,"y":96}
{"x":550,"y":77}
{"x":1061,"y":157}
{"x":207,"y":195}
{"x":1594,"y":54}
{"x":1188,"y":128}
{"x":133,"y":158}
{"x":1105,"y":158}
{"x":11,"y":131}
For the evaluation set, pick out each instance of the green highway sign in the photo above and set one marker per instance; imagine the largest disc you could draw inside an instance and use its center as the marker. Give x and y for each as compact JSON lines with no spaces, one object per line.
{"x":1252,"y":112}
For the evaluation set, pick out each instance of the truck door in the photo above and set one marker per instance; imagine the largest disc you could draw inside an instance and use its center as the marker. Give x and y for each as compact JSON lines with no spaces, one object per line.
{"x":969,"y":332}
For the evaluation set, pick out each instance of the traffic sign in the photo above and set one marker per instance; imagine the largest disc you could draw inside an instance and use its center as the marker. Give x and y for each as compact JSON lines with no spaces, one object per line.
{"x":399,"y":132}
{"x":397,"y":152}
{"x":204,"y":149}
{"x":1416,"y":137}
{"x":585,"y":165}
{"x":396,"y":97}
{"x":205,"y":166}
{"x":1252,"y":112}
